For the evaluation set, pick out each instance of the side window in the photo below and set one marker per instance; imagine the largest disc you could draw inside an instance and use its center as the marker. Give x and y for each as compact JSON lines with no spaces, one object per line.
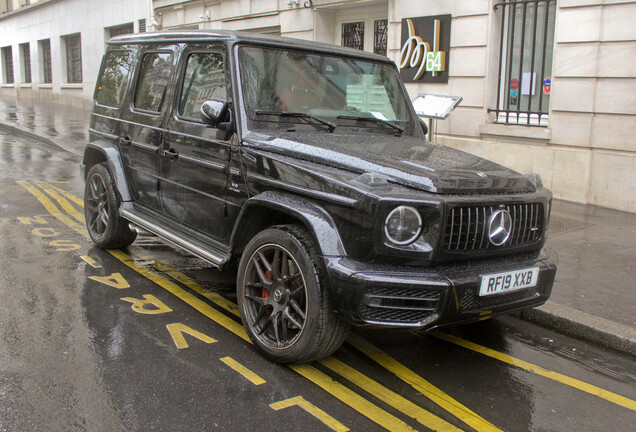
{"x":153,"y":81}
{"x":204,"y":79}
{"x":111,"y":86}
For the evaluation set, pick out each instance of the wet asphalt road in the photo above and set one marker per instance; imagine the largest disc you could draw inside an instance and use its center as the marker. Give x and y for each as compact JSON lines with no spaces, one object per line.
{"x":148,"y":339}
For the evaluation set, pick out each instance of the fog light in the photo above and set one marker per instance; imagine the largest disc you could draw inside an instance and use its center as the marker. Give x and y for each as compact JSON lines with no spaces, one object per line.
{"x":403,"y":225}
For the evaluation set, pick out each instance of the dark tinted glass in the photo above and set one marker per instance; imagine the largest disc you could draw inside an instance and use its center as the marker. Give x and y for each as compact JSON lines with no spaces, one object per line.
{"x":204,"y":79}
{"x":112,"y":82}
{"x":153,"y":81}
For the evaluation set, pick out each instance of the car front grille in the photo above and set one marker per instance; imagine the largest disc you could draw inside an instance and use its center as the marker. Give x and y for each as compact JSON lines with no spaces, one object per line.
{"x":400,"y":305}
{"x":467,"y":227}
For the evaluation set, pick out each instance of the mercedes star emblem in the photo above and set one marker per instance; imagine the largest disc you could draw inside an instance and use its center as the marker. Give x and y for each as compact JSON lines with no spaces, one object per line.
{"x":499,"y":227}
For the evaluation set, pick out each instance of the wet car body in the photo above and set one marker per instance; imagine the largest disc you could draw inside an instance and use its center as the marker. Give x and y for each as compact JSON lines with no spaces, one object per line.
{"x":211,"y":188}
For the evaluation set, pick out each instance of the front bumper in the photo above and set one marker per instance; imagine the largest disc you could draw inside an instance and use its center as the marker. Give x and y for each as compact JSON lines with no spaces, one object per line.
{"x":428,"y":297}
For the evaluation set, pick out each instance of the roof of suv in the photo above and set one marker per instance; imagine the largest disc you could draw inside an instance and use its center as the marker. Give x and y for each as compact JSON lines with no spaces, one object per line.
{"x":202,"y":36}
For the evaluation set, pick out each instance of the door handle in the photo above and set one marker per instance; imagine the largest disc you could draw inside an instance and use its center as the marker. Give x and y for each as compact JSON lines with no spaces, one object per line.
{"x":127,"y":140}
{"x":170,"y":154}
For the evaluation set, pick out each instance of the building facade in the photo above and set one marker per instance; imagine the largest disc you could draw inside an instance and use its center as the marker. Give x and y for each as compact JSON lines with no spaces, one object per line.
{"x":52,"y":49}
{"x":548,"y":86}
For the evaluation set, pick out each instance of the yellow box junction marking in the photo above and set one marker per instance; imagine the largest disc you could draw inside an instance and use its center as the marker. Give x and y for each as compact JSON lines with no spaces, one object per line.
{"x":311,"y":409}
{"x":247,"y":374}
{"x":563,"y":379}
{"x":176,"y":331}
{"x":421,"y":385}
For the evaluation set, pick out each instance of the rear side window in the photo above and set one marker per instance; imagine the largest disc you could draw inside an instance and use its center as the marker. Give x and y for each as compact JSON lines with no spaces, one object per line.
{"x":111,"y":87}
{"x":153,"y":81}
{"x":204,"y":79}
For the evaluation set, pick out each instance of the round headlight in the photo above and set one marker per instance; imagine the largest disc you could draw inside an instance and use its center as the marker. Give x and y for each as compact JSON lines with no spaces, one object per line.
{"x":403,"y":225}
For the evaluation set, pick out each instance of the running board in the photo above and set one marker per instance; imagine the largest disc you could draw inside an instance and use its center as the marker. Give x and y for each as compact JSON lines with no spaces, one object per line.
{"x":199,"y":250}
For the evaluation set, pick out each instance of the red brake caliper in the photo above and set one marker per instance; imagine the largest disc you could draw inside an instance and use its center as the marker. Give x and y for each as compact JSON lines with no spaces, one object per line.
{"x":264,"y":292}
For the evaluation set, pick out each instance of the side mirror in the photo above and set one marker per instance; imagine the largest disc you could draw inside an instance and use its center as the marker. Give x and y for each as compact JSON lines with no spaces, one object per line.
{"x":217,"y":113}
{"x":213,"y":111}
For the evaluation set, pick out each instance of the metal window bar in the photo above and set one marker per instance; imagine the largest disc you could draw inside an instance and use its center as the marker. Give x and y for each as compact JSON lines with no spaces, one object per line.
{"x":26,"y":60}
{"x":380,"y":37}
{"x":353,"y":35}
{"x":8,"y":64}
{"x":46,"y":61}
{"x":520,"y":25}
{"x":74,"y":59}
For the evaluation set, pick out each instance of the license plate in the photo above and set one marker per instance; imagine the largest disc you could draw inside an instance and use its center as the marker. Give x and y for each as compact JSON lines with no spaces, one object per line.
{"x":509,"y":281}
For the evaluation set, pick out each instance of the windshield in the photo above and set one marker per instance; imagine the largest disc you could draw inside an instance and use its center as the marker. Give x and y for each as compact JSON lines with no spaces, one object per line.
{"x":345,"y":92}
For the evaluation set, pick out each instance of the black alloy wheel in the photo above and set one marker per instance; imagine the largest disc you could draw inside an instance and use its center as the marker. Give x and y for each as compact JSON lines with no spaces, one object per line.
{"x":283,"y":302}
{"x":105,"y":226}
{"x":276,"y":294}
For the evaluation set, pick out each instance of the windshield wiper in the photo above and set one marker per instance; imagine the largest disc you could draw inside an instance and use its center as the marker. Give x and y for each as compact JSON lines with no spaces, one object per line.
{"x":308,"y":117}
{"x":375,"y":120}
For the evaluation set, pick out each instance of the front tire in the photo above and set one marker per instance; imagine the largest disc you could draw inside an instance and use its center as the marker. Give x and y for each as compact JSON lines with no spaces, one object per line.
{"x":105,"y":226}
{"x":283,"y":297}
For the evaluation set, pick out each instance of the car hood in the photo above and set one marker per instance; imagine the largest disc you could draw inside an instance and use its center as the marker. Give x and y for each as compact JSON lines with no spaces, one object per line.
{"x":403,"y":160}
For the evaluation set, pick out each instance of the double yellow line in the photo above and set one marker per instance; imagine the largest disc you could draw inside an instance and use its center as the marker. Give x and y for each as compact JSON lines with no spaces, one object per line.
{"x":71,"y":217}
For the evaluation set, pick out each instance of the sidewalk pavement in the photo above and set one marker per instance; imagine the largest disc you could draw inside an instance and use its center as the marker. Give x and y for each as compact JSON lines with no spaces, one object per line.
{"x":594,"y":297}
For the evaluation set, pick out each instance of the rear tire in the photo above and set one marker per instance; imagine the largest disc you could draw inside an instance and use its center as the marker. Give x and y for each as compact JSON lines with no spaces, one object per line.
{"x":283,"y":297}
{"x":105,"y":226}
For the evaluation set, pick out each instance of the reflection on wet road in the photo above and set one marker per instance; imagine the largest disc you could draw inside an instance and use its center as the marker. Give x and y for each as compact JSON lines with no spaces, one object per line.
{"x":149,"y":338}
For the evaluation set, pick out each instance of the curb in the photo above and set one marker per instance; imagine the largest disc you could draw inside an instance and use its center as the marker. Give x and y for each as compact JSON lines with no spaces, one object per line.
{"x":37,"y":137}
{"x":565,"y":320}
{"x":581,"y":325}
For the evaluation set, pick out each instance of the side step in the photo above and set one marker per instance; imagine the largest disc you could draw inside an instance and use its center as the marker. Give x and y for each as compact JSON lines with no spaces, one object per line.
{"x":182,"y":240}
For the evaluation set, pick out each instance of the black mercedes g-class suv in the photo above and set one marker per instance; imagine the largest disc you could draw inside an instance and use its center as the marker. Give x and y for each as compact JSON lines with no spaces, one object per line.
{"x":305,"y":165}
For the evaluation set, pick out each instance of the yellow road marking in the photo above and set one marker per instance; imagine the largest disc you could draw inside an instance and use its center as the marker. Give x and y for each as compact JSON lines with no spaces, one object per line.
{"x":311,"y":409}
{"x":180,"y":293}
{"x":563,"y":379}
{"x":347,"y":396}
{"x":247,"y":374}
{"x":352,"y":399}
{"x":66,"y":206}
{"x":90,"y":261}
{"x":116,"y":280}
{"x":387,"y":396}
{"x":70,"y":196}
{"x":401,"y":371}
{"x":177,"y":330}
{"x":219,"y":300}
{"x":53,"y":209}
{"x":420,"y":384}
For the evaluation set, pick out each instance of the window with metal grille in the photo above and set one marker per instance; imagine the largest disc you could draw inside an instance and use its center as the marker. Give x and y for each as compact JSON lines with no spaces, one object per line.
{"x":25,"y":49}
{"x":526,"y":48}
{"x":73,"y":58}
{"x":7,"y":57}
{"x":380,"y":36}
{"x":121,"y":29}
{"x":45,"y":49}
{"x":142,"y":25}
{"x":353,"y":35}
